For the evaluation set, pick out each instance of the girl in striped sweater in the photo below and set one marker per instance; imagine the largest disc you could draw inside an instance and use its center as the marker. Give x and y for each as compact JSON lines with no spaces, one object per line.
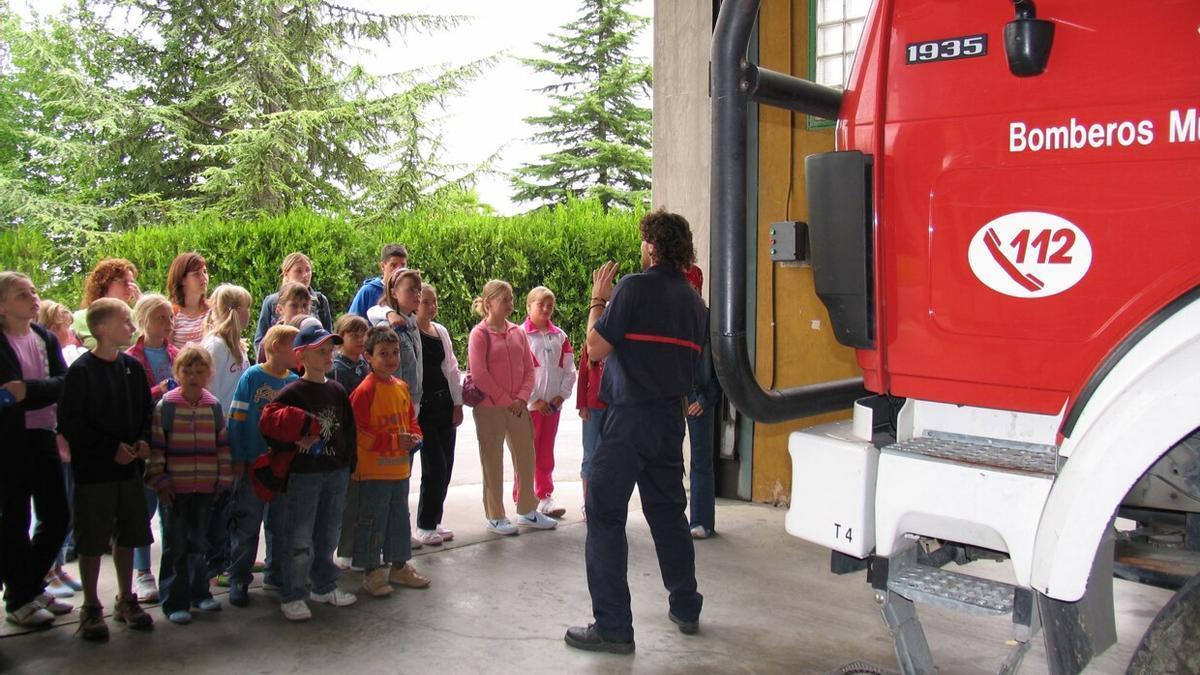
{"x":189,"y":464}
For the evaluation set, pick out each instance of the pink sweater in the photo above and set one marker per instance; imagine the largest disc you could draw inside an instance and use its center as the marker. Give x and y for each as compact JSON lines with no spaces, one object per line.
{"x":505,"y":372}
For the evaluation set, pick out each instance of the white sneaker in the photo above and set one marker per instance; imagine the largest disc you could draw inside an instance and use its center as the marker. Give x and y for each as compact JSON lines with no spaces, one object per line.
{"x":698,"y":532}
{"x":428,"y":537}
{"x":30,"y":615}
{"x":501,"y":526}
{"x":58,"y":589}
{"x":342,"y":563}
{"x":446,"y":534}
{"x":337,"y":597}
{"x":53,"y":605}
{"x":145,"y":587}
{"x":537,"y":520}
{"x":297,"y":610}
{"x":551,"y":508}
{"x":416,"y":543}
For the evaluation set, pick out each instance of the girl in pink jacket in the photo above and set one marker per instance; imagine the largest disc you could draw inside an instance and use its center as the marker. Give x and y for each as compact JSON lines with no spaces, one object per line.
{"x":502,"y":368}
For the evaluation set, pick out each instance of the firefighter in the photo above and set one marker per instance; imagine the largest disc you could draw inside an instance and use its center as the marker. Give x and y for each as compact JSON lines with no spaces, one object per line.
{"x":651,"y":328}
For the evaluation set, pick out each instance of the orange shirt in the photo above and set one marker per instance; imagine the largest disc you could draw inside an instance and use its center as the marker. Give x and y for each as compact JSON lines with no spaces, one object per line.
{"x":383,"y":409}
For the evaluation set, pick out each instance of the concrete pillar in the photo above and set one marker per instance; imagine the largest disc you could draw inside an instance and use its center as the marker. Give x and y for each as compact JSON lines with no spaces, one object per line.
{"x":682,"y":126}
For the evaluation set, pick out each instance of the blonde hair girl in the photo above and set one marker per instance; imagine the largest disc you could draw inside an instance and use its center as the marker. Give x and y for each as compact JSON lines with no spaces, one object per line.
{"x":502,"y":368}
{"x":229,"y":314}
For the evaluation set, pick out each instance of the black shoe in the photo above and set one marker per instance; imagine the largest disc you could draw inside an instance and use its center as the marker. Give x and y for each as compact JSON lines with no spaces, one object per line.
{"x":685,"y":627}
{"x":239,"y":594}
{"x":589,"y":639}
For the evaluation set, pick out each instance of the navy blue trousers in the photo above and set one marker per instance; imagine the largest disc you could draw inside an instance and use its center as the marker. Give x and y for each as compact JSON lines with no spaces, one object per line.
{"x":640,"y":446}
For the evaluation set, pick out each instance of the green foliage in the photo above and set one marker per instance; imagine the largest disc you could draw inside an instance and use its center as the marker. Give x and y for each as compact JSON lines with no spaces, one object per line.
{"x":124,"y":113}
{"x":557,"y":247}
{"x":601,"y":132}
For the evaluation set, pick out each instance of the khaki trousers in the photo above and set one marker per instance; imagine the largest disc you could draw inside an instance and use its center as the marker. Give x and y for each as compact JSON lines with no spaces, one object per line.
{"x":494,"y":424}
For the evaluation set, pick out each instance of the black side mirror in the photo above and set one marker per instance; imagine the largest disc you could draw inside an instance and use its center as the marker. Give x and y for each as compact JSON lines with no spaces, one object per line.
{"x":1027,"y":41}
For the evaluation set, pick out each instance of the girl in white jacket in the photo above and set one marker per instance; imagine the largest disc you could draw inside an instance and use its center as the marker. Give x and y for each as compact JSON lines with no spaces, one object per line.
{"x":553,"y":382}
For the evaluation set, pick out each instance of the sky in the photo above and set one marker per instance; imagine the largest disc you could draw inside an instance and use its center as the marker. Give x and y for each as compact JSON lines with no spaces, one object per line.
{"x":488,"y":117}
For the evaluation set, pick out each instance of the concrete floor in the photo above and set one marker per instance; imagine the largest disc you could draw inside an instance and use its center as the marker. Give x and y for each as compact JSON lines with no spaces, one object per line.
{"x":502,"y":605}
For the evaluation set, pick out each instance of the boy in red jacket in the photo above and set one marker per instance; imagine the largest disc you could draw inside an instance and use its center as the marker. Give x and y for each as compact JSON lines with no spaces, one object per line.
{"x":312,"y":418}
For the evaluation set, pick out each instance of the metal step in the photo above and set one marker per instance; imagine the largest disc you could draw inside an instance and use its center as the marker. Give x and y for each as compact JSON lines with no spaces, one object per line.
{"x":1013,"y":457}
{"x":959,"y":592}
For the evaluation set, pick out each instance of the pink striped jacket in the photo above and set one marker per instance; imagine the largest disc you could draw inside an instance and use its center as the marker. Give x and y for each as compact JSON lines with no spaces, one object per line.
{"x":189,"y":448}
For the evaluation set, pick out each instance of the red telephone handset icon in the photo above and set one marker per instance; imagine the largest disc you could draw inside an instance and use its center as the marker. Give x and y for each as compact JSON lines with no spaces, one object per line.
{"x":1027,"y":281}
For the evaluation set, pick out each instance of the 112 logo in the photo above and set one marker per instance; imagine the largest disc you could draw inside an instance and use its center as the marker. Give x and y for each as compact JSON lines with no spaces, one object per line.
{"x":1030,"y":254}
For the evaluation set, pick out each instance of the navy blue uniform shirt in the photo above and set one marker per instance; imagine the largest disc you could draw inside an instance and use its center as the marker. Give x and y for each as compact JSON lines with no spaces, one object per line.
{"x":657,"y":325}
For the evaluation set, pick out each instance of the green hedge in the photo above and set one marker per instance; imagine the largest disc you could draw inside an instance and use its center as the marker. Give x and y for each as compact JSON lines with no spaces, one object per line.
{"x":457,"y":253}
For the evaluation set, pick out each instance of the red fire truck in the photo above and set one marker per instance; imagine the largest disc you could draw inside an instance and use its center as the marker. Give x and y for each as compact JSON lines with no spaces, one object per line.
{"x":1007,"y":234}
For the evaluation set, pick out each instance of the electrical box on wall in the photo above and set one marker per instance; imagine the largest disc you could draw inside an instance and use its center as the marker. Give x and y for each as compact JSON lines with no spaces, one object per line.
{"x":789,"y":242}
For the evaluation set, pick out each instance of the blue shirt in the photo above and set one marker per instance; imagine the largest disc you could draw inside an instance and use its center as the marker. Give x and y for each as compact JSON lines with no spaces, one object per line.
{"x":254,"y":391}
{"x":657,"y":325}
{"x":367,"y":297}
{"x":160,"y":363}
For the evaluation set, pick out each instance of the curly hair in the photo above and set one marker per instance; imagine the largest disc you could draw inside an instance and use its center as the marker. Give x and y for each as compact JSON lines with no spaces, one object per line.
{"x":102,"y":275}
{"x":671,"y":237}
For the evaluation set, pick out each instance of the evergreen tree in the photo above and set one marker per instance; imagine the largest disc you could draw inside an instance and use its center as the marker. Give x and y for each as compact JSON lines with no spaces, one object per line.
{"x":134,"y":111}
{"x":596,"y":123}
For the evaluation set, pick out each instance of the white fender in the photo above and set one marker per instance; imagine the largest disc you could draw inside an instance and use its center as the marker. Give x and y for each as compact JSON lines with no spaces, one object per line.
{"x":1146,"y":404}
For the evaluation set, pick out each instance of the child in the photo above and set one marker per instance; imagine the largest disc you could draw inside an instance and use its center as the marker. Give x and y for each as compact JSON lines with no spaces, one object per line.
{"x":223,"y":327}
{"x":349,"y":369}
{"x":296,"y":267}
{"x":553,"y":379}
{"x":105,"y":414}
{"x":31,"y":379}
{"x":393,"y":257}
{"x":154,"y":318}
{"x":387,"y":433}
{"x":294,"y":300}
{"x":189,"y":463}
{"x":502,"y":368}
{"x":312,"y":418}
{"x":57,"y":319}
{"x":258,"y":386}
{"x":398,"y":308}
{"x":441,"y":413}
{"x":223,"y":330}
{"x":592,"y":411}
{"x":187,"y":285}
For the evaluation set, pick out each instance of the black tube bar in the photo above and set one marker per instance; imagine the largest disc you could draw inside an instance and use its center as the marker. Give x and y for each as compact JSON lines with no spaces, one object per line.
{"x":731,"y":39}
{"x":791,"y":93}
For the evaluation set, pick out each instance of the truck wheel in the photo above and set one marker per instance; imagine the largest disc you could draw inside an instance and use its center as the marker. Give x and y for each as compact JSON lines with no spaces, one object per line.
{"x":1170,"y":644}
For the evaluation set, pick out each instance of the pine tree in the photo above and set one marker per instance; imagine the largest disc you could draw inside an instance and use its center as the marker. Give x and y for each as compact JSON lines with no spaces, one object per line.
{"x":596,"y":122}
{"x":134,"y":111}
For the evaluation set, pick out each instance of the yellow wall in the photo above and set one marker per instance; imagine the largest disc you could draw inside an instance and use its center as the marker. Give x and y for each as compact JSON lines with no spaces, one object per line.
{"x":795,"y":345}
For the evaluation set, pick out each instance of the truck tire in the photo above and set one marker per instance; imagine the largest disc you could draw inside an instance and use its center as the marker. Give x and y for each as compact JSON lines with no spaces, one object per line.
{"x":1170,"y":644}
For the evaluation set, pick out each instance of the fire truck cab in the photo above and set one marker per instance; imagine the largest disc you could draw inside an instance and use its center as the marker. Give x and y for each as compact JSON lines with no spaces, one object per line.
{"x":1006,"y":234}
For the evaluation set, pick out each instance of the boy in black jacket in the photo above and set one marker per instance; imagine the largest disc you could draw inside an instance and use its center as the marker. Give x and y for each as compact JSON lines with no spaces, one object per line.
{"x":106,"y":410}
{"x":31,"y":376}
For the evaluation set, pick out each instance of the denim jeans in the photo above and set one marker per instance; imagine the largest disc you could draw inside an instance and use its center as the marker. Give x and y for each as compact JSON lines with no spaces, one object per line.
{"x":68,"y":546}
{"x":383,"y":531}
{"x":591,"y":440}
{"x":314,"y":514}
{"x":141,"y":554}
{"x":219,"y":547}
{"x":247,"y":514}
{"x":703,"y":477}
{"x":183,"y":572}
